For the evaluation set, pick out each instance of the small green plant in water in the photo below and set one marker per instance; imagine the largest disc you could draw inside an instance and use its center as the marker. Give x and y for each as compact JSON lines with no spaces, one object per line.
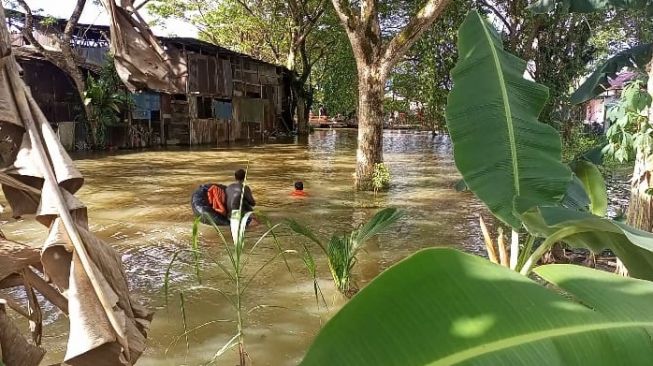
{"x":341,"y":250}
{"x":380,"y":177}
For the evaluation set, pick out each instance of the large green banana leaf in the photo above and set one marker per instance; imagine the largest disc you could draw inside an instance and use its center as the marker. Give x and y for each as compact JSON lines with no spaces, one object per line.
{"x":589,"y":6}
{"x":444,"y":307}
{"x":500,"y":148}
{"x":584,"y":230}
{"x":635,"y":57}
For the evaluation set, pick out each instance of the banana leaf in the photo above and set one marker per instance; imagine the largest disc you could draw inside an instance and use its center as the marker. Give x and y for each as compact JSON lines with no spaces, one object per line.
{"x":584,"y":230}
{"x":589,"y":6}
{"x":636,"y":57}
{"x":444,"y":307}
{"x":594,"y":185}
{"x":500,"y":147}
{"x":576,"y":197}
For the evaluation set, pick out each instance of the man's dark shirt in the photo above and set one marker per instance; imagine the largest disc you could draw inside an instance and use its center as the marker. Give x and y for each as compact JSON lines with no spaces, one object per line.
{"x":233,"y":198}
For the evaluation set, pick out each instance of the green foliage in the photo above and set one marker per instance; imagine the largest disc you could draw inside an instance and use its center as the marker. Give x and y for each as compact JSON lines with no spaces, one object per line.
{"x":341,"y":250}
{"x":637,"y":57}
{"x":380,"y":177}
{"x":558,"y":57}
{"x":630,"y":131}
{"x":443,"y":307}
{"x":579,"y":141}
{"x":513,"y":163}
{"x":492,"y":118}
{"x":589,"y":6}
{"x":424,"y":76}
{"x":107,"y":97}
{"x":48,"y":21}
{"x":335,"y":75}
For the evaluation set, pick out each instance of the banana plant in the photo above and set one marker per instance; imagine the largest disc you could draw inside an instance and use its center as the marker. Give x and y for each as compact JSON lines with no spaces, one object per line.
{"x":512,"y":162}
{"x":341,"y":250}
{"x":500,"y":147}
{"x":444,"y":307}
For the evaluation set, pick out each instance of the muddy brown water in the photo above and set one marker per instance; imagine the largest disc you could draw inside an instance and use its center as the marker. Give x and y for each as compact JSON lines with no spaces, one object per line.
{"x":139,"y":203}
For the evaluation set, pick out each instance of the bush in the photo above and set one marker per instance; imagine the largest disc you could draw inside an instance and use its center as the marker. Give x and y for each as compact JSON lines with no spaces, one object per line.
{"x":380,"y":177}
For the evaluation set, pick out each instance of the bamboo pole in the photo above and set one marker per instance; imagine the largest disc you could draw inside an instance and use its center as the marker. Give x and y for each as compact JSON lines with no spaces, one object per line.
{"x":21,"y":95}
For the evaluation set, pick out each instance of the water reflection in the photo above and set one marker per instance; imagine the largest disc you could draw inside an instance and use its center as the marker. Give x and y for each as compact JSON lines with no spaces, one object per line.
{"x":139,"y":202}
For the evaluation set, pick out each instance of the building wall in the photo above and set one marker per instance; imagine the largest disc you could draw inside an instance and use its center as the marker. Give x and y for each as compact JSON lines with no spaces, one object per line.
{"x":52,"y":89}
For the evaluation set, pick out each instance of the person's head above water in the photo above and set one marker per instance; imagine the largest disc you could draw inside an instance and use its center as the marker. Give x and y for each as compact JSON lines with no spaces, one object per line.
{"x":299,"y":185}
{"x":240,"y":175}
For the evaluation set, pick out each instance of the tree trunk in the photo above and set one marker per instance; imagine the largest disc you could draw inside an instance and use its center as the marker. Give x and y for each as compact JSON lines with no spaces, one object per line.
{"x":302,"y":123}
{"x":80,"y":84}
{"x":370,"y":126}
{"x":640,"y":208}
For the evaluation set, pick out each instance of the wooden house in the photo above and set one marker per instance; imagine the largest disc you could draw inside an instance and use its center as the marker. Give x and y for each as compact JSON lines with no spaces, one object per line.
{"x":228,"y":96}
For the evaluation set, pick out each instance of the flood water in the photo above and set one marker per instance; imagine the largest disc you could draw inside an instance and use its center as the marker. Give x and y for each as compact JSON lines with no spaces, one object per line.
{"x":139,"y":203}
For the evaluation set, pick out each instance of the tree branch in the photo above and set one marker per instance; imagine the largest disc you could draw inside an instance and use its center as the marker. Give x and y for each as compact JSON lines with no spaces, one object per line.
{"x":400,"y":44}
{"x":344,"y":13}
{"x":498,"y":14}
{"x":368,"y":11}
{"x":28,"y":28}
{"x":72,"y":22}
{"x":139,"y":6}
{"x":246,"y":7}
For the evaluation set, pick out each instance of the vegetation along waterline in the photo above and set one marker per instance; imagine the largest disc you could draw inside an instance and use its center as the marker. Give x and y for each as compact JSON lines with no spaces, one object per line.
{"x":489,"y":239}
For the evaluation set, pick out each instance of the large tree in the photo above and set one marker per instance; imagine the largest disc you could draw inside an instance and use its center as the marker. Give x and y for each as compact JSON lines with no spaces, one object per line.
{"x":274,"y":31}
{"x":376,"y":53}
{"x":62,"y":55}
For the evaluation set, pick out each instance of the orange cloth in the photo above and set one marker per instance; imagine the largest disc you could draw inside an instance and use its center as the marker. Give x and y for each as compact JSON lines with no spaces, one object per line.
{"x":218,"y":199}
{"x":298,"y":193}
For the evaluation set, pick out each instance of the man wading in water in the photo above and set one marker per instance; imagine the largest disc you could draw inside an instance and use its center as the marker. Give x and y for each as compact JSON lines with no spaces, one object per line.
{"x":234,"y":192}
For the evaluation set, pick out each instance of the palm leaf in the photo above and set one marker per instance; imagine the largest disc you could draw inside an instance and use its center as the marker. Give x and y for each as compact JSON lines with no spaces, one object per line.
{"x":443,"y":307}
{"x":381,"y":221}
{"x":305,"y":231}
{"x":636,"y":57}
{"x":500,"y":147}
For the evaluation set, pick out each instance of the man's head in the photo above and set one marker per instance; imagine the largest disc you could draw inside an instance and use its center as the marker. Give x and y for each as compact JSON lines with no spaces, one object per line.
{"x":299,"y":186}
{"x":240,"y":175}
